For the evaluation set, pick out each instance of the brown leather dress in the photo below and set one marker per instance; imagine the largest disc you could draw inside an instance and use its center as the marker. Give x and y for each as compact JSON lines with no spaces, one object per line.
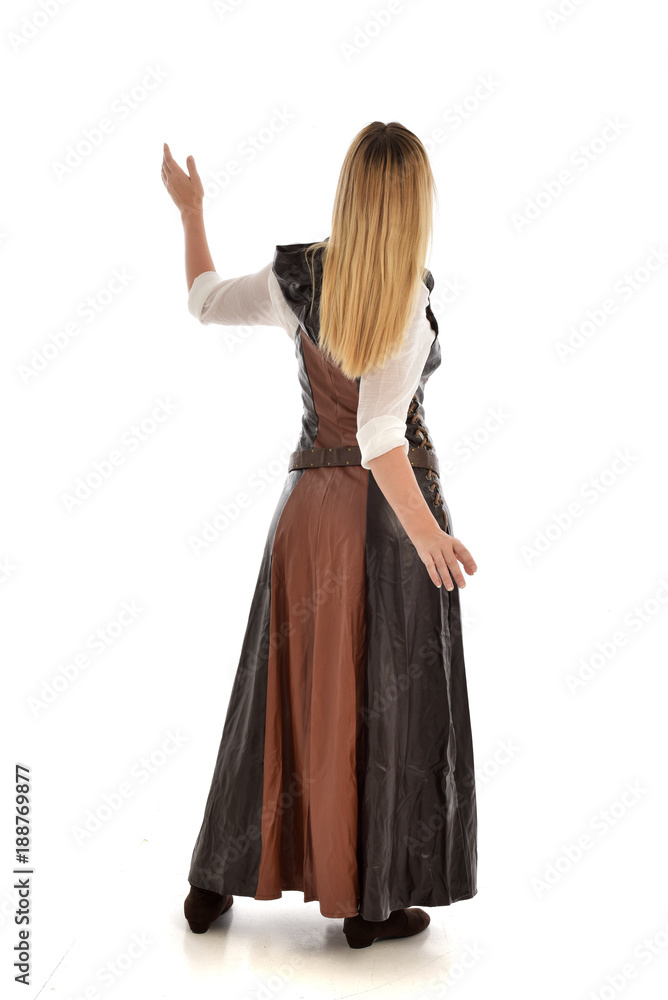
{"x":345,"y":769}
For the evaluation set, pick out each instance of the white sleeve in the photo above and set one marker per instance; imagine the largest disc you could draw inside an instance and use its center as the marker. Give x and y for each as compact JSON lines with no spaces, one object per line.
{"x":250,"y":300}
{"x":385,"y":393}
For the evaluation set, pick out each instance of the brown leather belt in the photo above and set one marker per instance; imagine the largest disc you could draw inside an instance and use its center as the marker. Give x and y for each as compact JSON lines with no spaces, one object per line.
{"x":318,"y":458}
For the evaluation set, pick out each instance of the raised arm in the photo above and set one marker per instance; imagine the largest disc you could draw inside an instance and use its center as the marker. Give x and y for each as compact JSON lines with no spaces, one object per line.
{"x":187,"y":192}
{"x":198,"y":255}
{"x":242,"y":301}
{"x":249,"y":300}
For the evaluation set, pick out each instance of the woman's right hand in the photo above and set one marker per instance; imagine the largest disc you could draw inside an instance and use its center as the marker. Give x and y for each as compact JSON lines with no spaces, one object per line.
{"x":441,"y":553}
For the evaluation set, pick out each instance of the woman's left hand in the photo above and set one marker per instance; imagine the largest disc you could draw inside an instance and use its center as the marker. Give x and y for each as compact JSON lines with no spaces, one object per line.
{"x":187,"y":192}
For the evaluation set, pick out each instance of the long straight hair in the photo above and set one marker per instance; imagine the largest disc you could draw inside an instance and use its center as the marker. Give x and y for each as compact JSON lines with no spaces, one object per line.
{"x":373,"y":261}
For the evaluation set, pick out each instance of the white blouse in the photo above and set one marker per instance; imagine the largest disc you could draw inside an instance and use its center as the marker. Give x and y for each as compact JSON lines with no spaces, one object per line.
{"x":384,"y":393}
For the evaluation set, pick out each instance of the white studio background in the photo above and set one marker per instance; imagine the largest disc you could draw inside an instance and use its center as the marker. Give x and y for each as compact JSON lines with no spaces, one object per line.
{"x":545,"y":123}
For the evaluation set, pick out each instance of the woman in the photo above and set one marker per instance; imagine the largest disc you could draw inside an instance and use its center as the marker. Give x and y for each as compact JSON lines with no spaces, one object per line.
{"x":345,"y":768}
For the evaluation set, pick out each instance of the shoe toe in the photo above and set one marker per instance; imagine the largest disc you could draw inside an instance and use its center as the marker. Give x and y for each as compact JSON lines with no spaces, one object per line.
{"x":417,"y":920}
{"x":201,"y":907}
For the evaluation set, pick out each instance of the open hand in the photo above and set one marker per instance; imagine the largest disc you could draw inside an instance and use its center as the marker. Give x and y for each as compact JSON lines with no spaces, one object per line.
{"x":441,"y":553}
{"x":185,"y":189}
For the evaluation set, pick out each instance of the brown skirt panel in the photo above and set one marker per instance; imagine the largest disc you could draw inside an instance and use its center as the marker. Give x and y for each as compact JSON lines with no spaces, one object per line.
{"x":315,"y":693}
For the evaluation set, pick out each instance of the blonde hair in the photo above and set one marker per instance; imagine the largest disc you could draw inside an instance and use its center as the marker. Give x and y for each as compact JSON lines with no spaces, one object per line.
{"x":373,"y":260}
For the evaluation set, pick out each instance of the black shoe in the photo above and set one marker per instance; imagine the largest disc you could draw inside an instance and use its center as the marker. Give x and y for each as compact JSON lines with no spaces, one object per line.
{"x":203,"y":906}
{"x":361,"y":933}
